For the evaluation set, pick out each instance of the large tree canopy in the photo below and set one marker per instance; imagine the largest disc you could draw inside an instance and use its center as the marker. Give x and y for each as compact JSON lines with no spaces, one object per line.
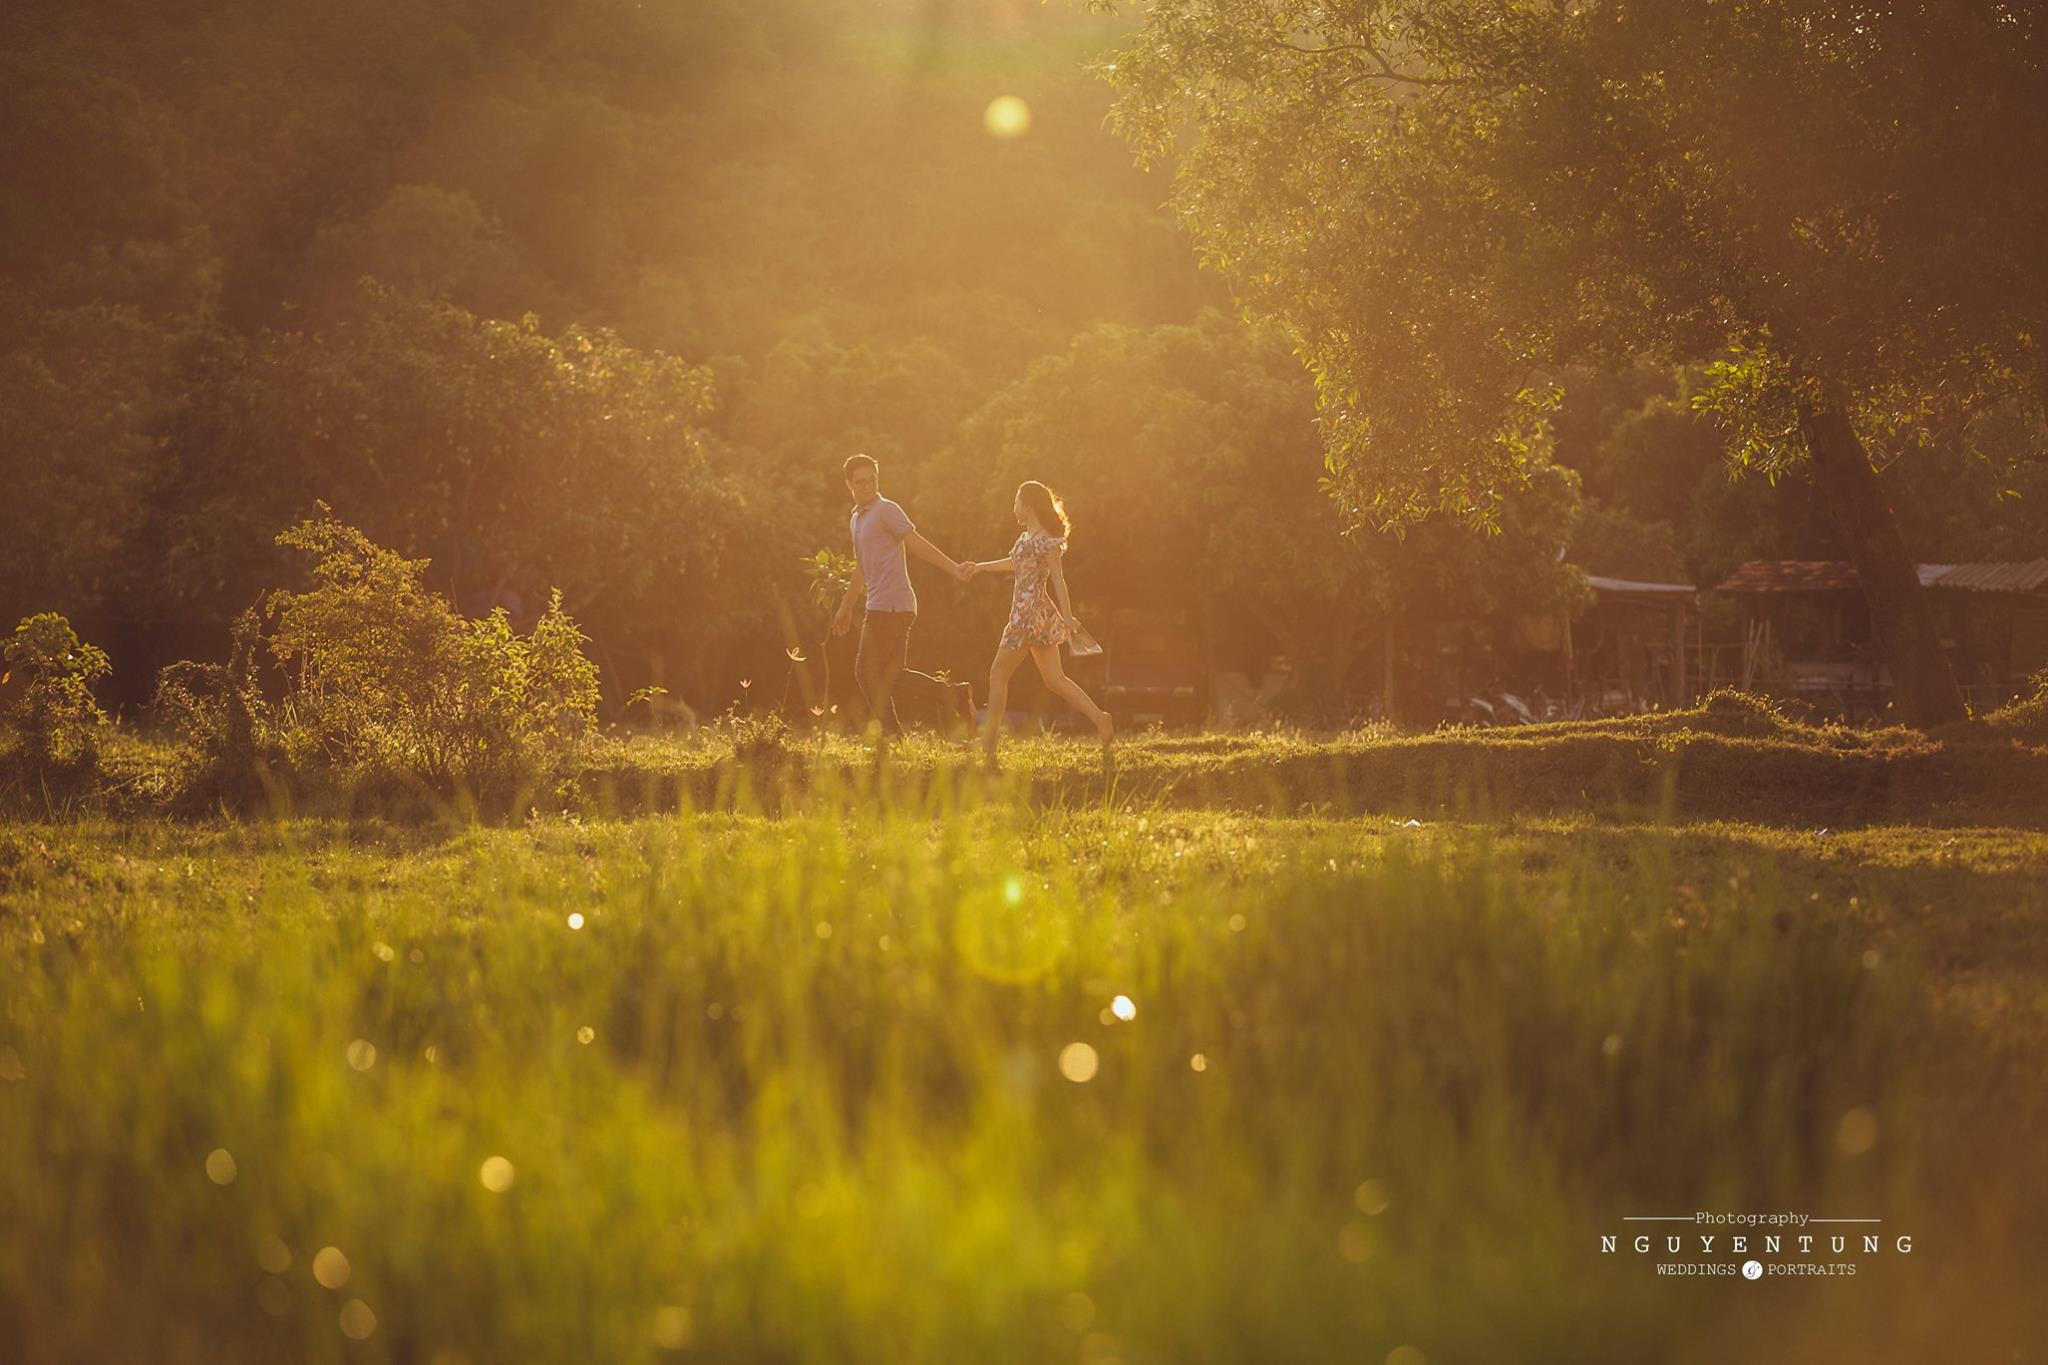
{"x":1449,"y":200}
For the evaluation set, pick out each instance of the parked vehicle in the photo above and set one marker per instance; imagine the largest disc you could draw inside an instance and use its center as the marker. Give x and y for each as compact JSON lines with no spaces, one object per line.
{"x":1155,"y":667}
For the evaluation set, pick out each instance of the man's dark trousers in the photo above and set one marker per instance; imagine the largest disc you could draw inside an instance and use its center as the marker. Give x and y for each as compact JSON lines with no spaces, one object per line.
{"x":884,"y":654}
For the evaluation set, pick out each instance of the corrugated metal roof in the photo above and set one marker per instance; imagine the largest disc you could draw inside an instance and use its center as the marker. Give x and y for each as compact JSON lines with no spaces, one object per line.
{"x":2027,"y":577}
{"x":1839,"y":575}
{"x":1599,"y":584}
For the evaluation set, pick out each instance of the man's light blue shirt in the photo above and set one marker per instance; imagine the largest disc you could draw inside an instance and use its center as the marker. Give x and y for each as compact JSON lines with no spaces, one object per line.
{"x":878,"y":531}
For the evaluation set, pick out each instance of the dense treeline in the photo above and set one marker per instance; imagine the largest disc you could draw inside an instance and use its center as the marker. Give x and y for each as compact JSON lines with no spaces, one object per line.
{"x":596,"y":296}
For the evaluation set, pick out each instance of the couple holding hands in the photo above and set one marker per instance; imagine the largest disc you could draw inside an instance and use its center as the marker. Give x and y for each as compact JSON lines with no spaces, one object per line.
{"x":1040,"y":614}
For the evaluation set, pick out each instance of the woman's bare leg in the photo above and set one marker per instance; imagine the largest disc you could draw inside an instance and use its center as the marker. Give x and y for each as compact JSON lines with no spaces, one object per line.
{"x":1047,"y":657}
{"x":1006,"y":662}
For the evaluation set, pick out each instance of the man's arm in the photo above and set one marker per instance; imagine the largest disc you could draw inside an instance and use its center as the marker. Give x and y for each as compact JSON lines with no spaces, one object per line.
{"x":924,"y":549}
{"x":856,"y":591}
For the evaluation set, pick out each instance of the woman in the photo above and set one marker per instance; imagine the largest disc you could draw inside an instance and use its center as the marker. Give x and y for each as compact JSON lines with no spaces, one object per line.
{"x":1040,"y":614}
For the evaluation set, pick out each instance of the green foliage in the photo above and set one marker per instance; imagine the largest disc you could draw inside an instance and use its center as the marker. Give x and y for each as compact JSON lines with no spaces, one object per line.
{"x":1446,"y":203}
{"x":827,"y":573}
{"x":1189,"y":458}
{"x":52,"y":720}
{"x":384,"y":676}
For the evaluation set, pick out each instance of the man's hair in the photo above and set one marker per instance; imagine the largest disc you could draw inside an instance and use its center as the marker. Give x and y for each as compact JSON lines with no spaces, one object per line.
{"x":859,"y":462}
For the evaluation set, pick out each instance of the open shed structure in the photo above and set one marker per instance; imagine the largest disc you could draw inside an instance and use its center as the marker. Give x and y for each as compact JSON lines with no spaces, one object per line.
{"x":1632,"y":647}
{"x":1806,"y":629}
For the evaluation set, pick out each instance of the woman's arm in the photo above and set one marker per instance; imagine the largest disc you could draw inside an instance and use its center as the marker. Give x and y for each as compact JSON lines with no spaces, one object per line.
{"x":1059,"y":586}
{"x":996,"y":566}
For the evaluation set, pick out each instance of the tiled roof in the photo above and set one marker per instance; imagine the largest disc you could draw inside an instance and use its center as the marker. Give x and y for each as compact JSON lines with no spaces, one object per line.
{"x":1791,"y":575}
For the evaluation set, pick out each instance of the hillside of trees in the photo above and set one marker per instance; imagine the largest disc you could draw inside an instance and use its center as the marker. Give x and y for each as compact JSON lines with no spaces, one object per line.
{"x":597,"y":297}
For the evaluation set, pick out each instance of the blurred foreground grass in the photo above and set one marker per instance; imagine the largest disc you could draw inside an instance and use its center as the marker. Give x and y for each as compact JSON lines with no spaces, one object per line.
{"x":852,"y":1085}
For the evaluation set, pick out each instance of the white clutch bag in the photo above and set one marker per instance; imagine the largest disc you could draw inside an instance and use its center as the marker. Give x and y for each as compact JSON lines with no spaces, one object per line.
{"x":1082,"y":644}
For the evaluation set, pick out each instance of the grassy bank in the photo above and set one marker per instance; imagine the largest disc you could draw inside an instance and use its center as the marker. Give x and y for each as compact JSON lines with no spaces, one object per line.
{"x":852,"y":1084}
{"x":1730,"y":759}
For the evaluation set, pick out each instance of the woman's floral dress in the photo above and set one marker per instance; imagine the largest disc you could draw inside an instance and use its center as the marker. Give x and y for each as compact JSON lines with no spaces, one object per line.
{"x":1034,"y":617}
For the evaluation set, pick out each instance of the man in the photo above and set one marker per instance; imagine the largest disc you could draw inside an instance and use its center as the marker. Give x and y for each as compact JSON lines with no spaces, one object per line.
{"x":881,"y":579}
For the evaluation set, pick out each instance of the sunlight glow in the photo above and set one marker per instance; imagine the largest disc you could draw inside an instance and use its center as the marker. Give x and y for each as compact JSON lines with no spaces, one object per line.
{"x":1007,"y":117}
{"x":1123,"y":1008}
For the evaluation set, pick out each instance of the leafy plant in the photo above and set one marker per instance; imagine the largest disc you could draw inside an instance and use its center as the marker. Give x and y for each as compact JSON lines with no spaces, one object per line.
{"x":55,"y":722}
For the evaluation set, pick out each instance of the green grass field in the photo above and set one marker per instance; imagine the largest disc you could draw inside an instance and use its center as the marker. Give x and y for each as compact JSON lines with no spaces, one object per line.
{"x":840,"y":1070}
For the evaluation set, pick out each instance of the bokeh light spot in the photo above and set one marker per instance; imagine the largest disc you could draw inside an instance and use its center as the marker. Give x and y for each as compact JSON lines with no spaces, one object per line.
{"x":220,"y":1166}
{"x":576,"y":919}
{"x":586,"y":1035}
{"x":1371,"y":1197}
{"x":1123,"y":1008}
{"x":330,"y":1267}
{"x":1006,"y":117}
{"x":362,"y":1054}
{"x":1078,"y":1063}
{"x":273,"y":1255}
{"x":671,"y":1327}
{"x":1198,"y":1063}
{"x":496,"y":1174}
{"x":357,"y":1321}
{"x":1858,"y":1132}
{"x":1354,"y":1243}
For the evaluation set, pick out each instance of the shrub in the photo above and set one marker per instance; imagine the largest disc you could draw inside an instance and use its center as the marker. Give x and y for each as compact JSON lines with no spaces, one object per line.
{"x":383,"y":675}
{"x":2025,"y":719}
{"x":382,"y":679}
{"x":54,"y":723}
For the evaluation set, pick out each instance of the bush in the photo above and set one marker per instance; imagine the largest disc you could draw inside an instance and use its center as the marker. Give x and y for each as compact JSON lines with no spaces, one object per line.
{"x":54,"y":724}
{"x":382,"y":680}
{"x":2026,"y":719}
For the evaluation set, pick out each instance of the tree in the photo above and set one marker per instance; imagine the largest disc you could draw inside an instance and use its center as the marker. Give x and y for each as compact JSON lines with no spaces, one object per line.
{"x":1188,"y":457}
{"x":516,"y":461}
{"x":1449,"y":200}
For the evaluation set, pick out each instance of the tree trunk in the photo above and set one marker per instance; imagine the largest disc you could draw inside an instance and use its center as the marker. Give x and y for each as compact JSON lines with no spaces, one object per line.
{"x":1923,"y":682}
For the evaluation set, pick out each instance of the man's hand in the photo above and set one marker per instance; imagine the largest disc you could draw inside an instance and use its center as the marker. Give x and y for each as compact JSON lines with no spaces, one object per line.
{"x":966,"y":570}
{"x":843,"y":620}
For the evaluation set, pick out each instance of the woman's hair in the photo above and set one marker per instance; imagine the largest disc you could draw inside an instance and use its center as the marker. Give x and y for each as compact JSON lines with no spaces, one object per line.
{"x":1045,"y":505}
